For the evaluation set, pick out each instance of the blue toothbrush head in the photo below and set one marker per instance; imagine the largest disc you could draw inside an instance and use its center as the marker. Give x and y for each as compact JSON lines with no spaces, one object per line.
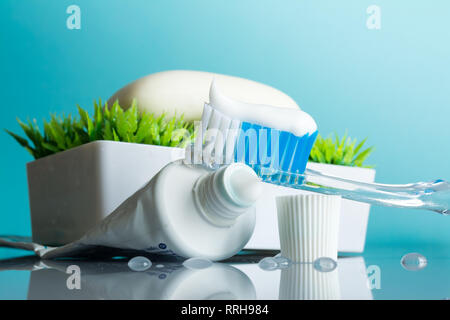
{"x":276,"y":156}
{"x":275,"y":142}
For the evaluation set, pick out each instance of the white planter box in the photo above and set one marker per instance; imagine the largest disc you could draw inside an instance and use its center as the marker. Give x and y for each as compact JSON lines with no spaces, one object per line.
{"x":353,"y":220}
{"x":72,"y":191}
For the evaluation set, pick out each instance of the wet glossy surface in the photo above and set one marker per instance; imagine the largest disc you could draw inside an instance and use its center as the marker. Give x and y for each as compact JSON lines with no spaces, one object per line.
{"x":372,"y":276}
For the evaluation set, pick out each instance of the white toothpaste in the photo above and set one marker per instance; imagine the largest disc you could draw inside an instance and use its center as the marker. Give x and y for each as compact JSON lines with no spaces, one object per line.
{"x":295,"y":121}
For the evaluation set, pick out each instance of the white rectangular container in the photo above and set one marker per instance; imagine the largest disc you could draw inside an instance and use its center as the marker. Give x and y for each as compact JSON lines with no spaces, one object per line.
{"x":72,"y":191}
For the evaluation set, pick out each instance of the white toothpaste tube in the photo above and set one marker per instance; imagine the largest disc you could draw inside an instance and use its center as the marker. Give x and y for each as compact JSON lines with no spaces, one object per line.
{"x":184,"y":211}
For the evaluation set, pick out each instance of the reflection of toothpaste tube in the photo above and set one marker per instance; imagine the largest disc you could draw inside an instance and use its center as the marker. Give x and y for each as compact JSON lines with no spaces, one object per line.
{"x":183,"y":211}
{"x":114,"y":281}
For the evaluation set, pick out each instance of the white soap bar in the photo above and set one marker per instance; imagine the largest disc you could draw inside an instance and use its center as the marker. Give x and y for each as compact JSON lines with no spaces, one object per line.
{"x":185,"y":92}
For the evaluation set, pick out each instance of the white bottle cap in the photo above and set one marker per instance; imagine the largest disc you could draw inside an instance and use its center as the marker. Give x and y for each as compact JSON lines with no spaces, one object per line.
{"x":308,"y":226}
{"x":222,"y":196}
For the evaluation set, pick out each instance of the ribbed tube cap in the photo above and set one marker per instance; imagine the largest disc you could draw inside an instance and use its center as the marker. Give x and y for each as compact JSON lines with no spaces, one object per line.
{"x":308,"y":226}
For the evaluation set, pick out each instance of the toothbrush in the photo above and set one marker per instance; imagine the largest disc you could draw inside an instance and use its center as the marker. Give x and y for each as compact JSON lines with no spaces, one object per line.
{"x":280,"y":157}
{"x":434,"y":196}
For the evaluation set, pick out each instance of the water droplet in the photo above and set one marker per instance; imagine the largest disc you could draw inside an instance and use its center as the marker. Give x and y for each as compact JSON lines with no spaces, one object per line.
{"x":197,"y":263}
{"x":282,"y":262}
{"x":413,"y":261}
{"x":139,"y":263}
{"x":268,"y":264}
{"x":324,"y":264}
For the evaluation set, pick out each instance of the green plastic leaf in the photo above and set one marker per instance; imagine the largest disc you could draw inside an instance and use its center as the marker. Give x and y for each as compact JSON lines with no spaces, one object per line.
{"x":359,"y":146}
{"x":107,"y":123}
{"x":107,"y":131}
{"x":116,"y":137}
{"x":362,"y":156}
{"x":339,"y":151}
{"x":50,"y":147}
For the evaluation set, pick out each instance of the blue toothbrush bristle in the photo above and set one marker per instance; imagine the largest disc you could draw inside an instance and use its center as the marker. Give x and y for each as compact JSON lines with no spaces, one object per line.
{"x":276,"y":156}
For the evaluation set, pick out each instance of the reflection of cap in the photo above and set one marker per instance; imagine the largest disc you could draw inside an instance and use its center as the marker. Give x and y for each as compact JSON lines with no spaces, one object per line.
{"x":304,"y":282}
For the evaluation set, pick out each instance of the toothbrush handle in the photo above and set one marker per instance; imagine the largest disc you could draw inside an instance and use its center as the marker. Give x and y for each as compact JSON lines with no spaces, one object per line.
{"x":434,"y":196}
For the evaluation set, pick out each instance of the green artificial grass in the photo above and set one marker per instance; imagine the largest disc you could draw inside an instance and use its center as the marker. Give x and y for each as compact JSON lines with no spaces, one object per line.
{"x":108,"y":123}
{"x":340,"y":151}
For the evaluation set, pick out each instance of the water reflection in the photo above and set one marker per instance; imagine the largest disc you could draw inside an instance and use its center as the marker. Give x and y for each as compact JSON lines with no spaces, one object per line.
{"x":240,"y":278}
{"x":115,"y":280}
{"x":304,"y":282}
{"x":349,"y":280}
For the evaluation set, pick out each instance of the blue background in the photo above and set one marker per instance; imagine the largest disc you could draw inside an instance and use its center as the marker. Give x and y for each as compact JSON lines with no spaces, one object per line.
{"x":391,"y":85}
